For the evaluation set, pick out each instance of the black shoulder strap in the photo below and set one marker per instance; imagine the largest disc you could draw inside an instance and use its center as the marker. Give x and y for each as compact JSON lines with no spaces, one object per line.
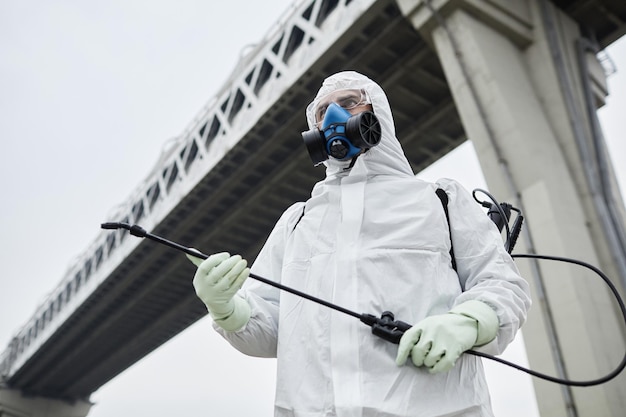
{"x":299,"y":218}
{"x":444,"y":202}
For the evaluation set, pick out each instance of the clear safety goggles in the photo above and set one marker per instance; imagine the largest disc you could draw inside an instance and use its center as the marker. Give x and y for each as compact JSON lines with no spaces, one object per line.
{"x":346,"y":98}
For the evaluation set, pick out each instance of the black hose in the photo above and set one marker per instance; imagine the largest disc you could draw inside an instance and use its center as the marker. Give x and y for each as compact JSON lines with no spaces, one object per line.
{"x":391,"y":330}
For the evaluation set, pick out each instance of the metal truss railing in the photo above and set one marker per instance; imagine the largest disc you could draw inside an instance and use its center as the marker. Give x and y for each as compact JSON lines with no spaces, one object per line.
{"x":299,"y":37}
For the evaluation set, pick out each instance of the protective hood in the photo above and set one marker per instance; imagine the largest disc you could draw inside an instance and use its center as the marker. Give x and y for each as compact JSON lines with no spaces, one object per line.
{"x":386,"y":158}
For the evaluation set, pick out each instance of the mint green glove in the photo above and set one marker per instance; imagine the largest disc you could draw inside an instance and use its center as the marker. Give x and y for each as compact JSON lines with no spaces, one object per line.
{"x":437,"y":341}
{"x":217,"y":281}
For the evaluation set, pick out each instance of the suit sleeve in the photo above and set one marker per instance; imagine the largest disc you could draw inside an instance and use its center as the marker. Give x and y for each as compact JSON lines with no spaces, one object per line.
{"x":259,"y":336}
{"x":486,"y":271}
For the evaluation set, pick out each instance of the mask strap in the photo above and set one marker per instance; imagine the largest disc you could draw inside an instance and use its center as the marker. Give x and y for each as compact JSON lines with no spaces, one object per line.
{"x":353,"y":160}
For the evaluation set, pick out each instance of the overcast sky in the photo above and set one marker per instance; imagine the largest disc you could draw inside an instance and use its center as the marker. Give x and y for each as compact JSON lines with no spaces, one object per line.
{"x":90,"y":92}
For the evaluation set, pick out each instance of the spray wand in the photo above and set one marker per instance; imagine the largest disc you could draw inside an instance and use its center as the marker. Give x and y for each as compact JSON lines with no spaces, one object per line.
{"x":385,"y":326}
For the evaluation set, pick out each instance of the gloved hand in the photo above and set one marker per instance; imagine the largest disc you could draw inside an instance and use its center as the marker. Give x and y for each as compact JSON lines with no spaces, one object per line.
{"x":437,"y":341}
{"x":217,"y":281}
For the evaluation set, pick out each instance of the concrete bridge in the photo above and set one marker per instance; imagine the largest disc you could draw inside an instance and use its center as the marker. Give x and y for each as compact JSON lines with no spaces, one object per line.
{"x":520,"y":80}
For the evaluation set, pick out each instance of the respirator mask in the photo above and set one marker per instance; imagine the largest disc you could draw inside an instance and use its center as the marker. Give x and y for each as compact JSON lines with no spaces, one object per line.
{"x":337,"y":132}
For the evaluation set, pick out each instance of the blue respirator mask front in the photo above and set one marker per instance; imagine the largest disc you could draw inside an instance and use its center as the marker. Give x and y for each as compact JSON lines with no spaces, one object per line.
{"x":342,"y":135}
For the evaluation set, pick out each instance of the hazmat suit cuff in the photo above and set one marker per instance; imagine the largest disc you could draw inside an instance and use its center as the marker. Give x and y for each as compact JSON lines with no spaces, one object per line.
{"x":238,"y":318}
{"x":485,"y":316}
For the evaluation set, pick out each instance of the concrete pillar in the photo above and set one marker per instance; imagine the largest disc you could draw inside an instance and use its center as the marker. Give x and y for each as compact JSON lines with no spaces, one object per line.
{"x":525,"y":115}
{"x":14,"y":404}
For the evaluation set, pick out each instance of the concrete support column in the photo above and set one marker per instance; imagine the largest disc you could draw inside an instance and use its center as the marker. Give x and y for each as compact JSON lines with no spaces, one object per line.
{"x":14,"y":404}
{"x":526,"y":120}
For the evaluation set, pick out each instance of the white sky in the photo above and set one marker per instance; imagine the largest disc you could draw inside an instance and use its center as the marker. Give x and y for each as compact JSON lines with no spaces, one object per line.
{"x":89,"y":94}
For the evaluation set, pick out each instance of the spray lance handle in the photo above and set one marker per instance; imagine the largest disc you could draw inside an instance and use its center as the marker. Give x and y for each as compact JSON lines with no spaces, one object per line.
{"x":386,"y":327}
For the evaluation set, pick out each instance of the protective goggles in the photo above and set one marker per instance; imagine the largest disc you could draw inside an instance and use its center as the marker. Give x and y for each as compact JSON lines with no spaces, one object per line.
{"x":346,"y":98}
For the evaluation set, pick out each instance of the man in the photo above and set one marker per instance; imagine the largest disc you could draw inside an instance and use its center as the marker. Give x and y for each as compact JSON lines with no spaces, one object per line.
{"x":371,"y":238}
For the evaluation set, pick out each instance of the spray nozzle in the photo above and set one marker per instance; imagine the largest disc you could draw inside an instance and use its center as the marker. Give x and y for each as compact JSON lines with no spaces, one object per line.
{"x":134,"y":229}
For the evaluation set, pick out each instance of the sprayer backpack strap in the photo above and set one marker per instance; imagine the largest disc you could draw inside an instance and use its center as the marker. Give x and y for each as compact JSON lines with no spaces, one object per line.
{"x":443,"y":197}
{"x":299,"y":218}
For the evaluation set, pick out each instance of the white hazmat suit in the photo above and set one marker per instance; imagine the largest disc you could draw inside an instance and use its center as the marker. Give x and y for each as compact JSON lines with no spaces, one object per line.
{"x":375,"y":238}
